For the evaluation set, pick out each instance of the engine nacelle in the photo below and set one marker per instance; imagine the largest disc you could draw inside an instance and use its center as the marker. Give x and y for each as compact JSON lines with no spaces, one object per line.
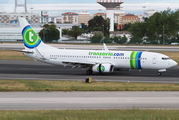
{"x":103,"y":68}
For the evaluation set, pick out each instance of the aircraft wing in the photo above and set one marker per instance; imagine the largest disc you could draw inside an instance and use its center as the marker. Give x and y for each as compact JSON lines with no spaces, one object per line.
{"x":79,"y":64}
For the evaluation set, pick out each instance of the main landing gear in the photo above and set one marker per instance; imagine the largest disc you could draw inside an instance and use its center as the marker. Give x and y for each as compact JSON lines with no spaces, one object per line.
{"x":89,"y":72}
{"x":159,"y":73}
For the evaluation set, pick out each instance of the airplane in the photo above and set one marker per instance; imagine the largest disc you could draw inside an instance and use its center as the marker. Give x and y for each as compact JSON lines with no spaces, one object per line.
{"x":96,"y":61}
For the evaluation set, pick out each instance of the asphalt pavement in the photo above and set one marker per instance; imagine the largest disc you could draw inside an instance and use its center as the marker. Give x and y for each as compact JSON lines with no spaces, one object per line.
{"x":88,"y":100}
{"x":34,"y":70}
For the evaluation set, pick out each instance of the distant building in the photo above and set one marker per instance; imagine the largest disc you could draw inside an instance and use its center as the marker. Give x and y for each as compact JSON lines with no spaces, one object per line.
{"x":83,"y":17}
{"x":147,"y":14}
{"x":141,"y":17}
{"x":118,"y":16}
{"x":70,"y":17}
{"x":45,"y":18}
{"x":129,"y":18}
{"x":100,"y":14}
{"x":59,"y":19}
{"x":12,"y":18}
{"x":49,"y":19}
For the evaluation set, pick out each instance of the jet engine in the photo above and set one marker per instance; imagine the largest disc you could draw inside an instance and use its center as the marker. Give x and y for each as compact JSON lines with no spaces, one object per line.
{"x":103,"y":68}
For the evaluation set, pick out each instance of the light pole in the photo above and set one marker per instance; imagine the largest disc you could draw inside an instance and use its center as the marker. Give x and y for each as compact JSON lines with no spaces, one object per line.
{"x":144,"y":12}
{"x":144,"y":8}
{"x":164,"y":35}
{"x":31,"y":14}
{"x":103,"y":33}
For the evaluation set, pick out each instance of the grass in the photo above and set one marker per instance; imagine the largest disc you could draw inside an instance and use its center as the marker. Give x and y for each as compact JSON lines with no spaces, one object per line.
{"x":41,"y":85}
{"x":133,"y":114}
{"x":12,"y":55}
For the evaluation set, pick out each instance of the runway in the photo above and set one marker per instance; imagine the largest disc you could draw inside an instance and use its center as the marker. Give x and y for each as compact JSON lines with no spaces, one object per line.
{"x":88,"y":100}
{"x":33,"y":70}
{"x":20,"y":46}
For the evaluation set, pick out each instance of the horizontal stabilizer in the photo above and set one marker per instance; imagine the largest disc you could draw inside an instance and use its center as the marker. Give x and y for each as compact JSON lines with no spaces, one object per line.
{"x":24,"y":51}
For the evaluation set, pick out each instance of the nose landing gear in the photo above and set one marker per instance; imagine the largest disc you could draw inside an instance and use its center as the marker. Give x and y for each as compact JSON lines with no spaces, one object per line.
{"x":160,"y":71}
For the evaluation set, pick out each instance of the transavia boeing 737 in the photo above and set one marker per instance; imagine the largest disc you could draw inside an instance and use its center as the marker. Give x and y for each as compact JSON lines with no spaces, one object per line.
{"x":96,"y":61}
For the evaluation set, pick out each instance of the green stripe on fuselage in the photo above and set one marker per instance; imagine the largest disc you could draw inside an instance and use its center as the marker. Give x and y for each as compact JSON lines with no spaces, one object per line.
{"x":131,"y":58}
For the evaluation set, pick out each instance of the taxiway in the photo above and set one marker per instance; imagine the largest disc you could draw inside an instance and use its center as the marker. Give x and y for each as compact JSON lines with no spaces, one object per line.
{"x":34,"y":70}
{"x":88,"y":100}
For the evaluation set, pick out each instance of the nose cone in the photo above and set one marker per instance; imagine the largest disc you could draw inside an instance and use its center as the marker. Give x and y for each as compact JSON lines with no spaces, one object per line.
{"x":173,"y":63}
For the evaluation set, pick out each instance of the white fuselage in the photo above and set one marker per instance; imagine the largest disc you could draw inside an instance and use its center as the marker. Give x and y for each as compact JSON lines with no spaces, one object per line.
{"x":119,"y":59}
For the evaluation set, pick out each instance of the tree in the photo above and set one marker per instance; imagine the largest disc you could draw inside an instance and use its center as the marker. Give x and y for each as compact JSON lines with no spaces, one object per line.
{"x":123,"y":40}
{"x":96,"y":38}
{"x":138,"y":29}
{"x":119,"y":39}
{"x":49,"y":33}
{"x":98,"y":23}
{"x":115,"y":27}
{"x":65,"y":31}
{"x":106,"y":24}
{"x":153,"y":27}
{"x":135,"y":40}
{"x":95,"y":22}
{"x":74,"y":32}
{"x":116,"y":39}
{"x":107,"y":39}
{"x":126,"y":27}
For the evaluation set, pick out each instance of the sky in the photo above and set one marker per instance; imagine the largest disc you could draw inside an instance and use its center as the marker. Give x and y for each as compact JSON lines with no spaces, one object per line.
{"x":57,"y":7}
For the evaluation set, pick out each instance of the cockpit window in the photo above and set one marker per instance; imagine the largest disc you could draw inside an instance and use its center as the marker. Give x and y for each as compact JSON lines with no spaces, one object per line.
{"x":165,"y":58}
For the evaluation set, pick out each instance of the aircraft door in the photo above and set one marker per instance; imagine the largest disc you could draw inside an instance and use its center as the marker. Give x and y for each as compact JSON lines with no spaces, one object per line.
{"x":154,"y":59}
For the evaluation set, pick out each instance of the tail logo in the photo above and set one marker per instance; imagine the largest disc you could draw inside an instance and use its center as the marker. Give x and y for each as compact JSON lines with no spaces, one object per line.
{"x":30,"y":38}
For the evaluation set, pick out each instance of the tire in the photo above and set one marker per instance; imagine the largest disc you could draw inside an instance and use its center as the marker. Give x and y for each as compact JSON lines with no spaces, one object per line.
{"x":159,"y":74}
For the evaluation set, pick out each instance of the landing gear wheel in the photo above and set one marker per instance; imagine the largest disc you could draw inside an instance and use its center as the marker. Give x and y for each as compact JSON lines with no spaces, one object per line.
{"x":89,"y":72}
{"x":159,"y":74}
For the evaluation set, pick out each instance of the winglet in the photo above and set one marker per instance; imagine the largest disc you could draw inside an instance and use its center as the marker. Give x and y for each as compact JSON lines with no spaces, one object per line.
{"x":105,"y":47}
